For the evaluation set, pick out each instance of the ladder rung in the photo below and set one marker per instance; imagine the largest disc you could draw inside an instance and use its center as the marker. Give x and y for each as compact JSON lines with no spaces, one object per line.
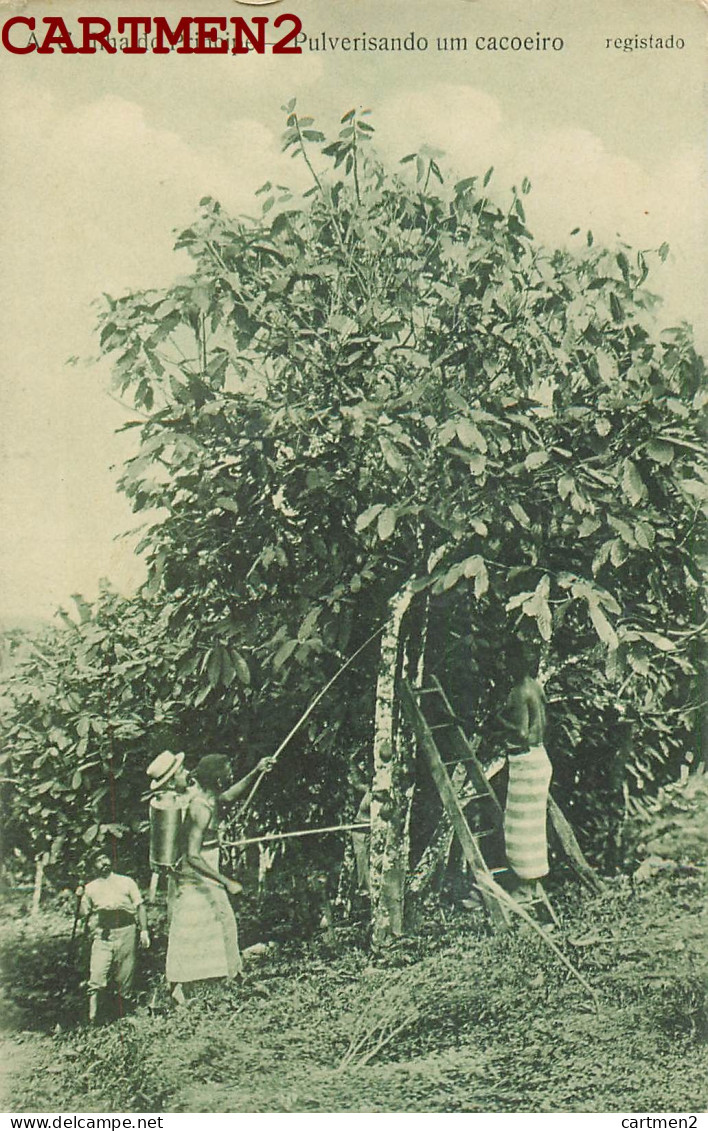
{"x":464,"y":801}
{"x":499,"y":871}
{"x":427,"y":691}
{"x":484,"y":832}
{"x":530,"y":902}
{"x":454,"y":762}
{"x":441,"y":726}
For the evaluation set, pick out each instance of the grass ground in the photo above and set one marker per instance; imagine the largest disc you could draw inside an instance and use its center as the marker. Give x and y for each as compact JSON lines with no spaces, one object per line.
{"x":455,"y":1021}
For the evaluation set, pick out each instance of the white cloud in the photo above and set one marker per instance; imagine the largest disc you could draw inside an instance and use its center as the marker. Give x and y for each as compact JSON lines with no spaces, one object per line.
{"x":93,"y":186}
{"x":91,"y":197}
{"x":464,"y":122}
{"x":576,"y":180}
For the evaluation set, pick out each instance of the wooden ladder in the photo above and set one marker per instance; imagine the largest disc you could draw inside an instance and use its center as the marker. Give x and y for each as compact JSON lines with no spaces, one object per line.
{"x":444,"y":743}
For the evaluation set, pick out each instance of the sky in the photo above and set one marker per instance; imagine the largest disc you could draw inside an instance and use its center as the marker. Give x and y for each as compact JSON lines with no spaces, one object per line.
{"x":103,"y":158}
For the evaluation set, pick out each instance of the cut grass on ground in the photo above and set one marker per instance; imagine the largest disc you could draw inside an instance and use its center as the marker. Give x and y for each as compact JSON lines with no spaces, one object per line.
{"x":456,"y":1021}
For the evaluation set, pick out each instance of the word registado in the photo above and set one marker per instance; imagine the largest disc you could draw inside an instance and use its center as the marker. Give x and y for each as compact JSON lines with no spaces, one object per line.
{"x":645,"y":43}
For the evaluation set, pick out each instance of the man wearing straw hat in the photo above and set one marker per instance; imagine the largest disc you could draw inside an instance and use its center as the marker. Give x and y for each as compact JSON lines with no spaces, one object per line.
{"x":169,"y":800}
{"x":168,"y":769}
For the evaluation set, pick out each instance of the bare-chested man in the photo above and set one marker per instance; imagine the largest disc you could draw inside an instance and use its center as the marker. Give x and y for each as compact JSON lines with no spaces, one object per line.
{"x":524,"y":719}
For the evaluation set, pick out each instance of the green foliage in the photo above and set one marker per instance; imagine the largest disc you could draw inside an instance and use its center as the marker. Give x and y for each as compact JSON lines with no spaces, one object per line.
{"x":381,"y":374}
{"x":671,"y":826}
{"x":41,"y":979}
{"x":389,"y":371}
{"x":83,"y":712}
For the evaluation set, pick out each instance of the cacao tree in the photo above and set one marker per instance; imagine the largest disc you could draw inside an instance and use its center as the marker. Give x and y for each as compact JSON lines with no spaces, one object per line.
{"x":390,"y":371}
{"x":385,"y":390}
{"x":84,"y":710}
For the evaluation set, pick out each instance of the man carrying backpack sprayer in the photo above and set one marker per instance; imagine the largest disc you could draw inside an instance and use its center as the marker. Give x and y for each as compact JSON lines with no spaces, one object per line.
{"x":170,"y":794}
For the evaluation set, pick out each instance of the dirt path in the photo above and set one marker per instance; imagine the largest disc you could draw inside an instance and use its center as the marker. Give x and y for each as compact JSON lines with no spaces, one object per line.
{"x":20,"y":1056}
{"x":23,"y":1054}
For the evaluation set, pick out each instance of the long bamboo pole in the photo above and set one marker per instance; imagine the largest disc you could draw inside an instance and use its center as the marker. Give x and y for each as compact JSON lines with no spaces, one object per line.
{"x":306,"y":714}
{"x":361,"y":826}
{"x":486,"y":883}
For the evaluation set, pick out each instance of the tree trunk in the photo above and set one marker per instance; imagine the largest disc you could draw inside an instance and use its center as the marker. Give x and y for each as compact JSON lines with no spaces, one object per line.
{"x":346,"y":882}
{"x":392,"y":787}
{"x":394,"y":761}
{"x":38,"y":884}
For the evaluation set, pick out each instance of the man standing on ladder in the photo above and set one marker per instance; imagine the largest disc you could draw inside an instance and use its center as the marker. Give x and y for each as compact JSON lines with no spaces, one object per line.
{"x":530,"y":771}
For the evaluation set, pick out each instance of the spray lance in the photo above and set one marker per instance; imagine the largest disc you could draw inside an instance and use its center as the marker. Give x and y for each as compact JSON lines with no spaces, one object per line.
{"x":306,"y":714}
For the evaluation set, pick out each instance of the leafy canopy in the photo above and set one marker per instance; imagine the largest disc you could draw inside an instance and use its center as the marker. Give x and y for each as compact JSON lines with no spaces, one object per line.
{"x":387,"y":379}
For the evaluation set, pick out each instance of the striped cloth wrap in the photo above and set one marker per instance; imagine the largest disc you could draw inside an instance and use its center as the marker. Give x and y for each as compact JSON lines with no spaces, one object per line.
{"x":525,"y":815}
